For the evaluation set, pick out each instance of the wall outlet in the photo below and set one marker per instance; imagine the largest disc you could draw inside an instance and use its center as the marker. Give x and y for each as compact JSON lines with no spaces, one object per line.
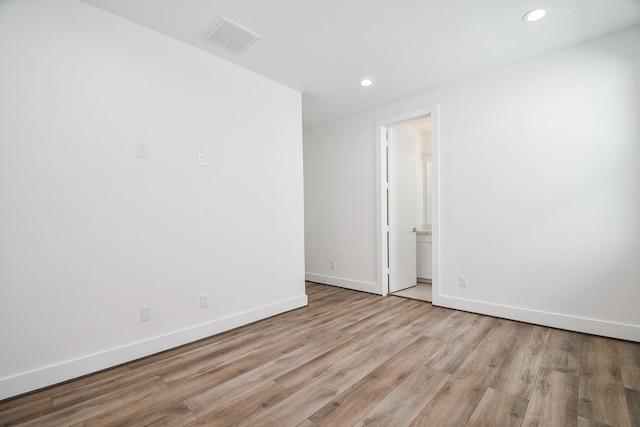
{"x":332,"y":264}
{"x":462,"y":281}
{"x":145,"y":313}
{"x":204,"y":300}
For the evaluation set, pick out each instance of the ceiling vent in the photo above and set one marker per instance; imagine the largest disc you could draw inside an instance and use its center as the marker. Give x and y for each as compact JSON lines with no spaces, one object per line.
{"x":231,"y":36}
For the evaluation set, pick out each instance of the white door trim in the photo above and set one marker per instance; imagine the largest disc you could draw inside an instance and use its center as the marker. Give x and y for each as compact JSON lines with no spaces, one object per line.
{"x":381,"y":194}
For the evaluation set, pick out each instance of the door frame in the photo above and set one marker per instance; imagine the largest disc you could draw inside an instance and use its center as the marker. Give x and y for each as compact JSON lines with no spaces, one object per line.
{"x":381,"y":195}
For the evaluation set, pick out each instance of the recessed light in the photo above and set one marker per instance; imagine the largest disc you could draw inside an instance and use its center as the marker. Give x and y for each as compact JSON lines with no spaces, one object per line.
{"x":366,"y":82}
{"x":534,"y":15}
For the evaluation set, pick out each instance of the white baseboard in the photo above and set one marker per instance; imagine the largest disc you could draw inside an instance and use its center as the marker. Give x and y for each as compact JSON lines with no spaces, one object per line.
{"x":343,"y":283}
{"x":554,"y":320}
{"x":50,"y":375}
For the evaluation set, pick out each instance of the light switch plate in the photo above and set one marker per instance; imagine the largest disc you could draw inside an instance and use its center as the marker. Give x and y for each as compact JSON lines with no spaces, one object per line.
{"x":143,"y":151}
{"x":202,"y":159}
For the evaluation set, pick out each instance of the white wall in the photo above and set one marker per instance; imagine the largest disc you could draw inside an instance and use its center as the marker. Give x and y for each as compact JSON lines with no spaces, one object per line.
{"x":540,"y":181}
{"x":89,"y":233}
{"x":428,"y":178}
{"x":339,"y":205}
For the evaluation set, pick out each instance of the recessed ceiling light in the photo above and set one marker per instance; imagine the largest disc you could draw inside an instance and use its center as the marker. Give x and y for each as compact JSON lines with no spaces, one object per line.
{"x":534,"y":15}
{"x":366,"y":82}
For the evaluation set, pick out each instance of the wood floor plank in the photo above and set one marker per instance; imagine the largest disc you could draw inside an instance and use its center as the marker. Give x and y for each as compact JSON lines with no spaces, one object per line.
{"x":185,"y":349}
{"x":629,"y":358}
{"x":563,"y":352}
{"x":324,"y":387}
{"x":497,"y":409}
{"x":71,"y":397}
{"x":554,"y":401}
{"x":602,"y":396}
{"x":230,"y":412}
{"x":383,"y":338}
{"x":351,"y":405}
{"x":175,"y":415}
{"x":599,"y":360}
{"x":349,"y":314}
{"x":211,"y":378}
{"x":633,"y":402}
{"x":431,"y":318}
{"x":235,"y":388}
{"x":398,"y":337}
{"x":454,"y":404}
{"x":336,"y":358}
{"x":187,"y":388}
{"x":402,"y":405}
{"x":100,"y":404}
{"x":165,"y":402}
{"x":502,"y":336}
{"x":306,"y":315}
{"x":89,"y":381}
{"x":342,"y":311}
{"x":14,"y":414}
{"x":220,"y":357}
{"x":189,"y":361}
{"x":210,"y":384}
{"x":457,"y":348}
{"x":604,"y":403}
{"x":521,"y":363}
{"x":448,"y":325}
{"x":411,"y":313}
{"x":328,"y":337}
{"x":584,"y":422}
{"x":384,"y":315}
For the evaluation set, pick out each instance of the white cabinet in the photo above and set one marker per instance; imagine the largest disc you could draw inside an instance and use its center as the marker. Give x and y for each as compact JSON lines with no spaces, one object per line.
{"x":423,"y":254}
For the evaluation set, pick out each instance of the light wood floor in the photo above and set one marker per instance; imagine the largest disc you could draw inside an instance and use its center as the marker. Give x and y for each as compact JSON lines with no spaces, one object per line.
{"x":421,"y":291}
{"x":352,"y":358}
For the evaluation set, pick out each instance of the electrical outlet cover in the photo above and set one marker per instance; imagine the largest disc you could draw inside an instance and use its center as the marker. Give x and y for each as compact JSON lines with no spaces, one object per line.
{"x":204,"y":300}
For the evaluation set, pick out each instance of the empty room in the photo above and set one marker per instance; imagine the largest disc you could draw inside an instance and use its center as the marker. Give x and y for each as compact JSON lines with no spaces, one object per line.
{"x":337,"y":213}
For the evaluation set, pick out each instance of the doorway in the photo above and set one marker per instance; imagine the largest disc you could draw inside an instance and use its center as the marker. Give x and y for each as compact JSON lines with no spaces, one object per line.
{"x":408,"y":240}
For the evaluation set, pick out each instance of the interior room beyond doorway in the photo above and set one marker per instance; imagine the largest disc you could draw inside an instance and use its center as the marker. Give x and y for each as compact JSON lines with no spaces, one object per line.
{"x":420,"y":130}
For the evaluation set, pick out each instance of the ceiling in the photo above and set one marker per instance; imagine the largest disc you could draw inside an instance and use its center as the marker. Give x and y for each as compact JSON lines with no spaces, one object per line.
{"x":324,"y":48}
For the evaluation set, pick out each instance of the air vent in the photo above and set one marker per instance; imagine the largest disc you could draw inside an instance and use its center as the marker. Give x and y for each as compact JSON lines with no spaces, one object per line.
{"x":231,"y":36}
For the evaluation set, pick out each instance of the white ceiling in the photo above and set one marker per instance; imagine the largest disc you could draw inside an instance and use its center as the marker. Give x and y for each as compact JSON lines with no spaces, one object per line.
{"x":325,"y":47}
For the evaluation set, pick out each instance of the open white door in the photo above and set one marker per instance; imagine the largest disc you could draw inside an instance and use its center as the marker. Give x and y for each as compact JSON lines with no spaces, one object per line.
{"x":402,"y":210}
